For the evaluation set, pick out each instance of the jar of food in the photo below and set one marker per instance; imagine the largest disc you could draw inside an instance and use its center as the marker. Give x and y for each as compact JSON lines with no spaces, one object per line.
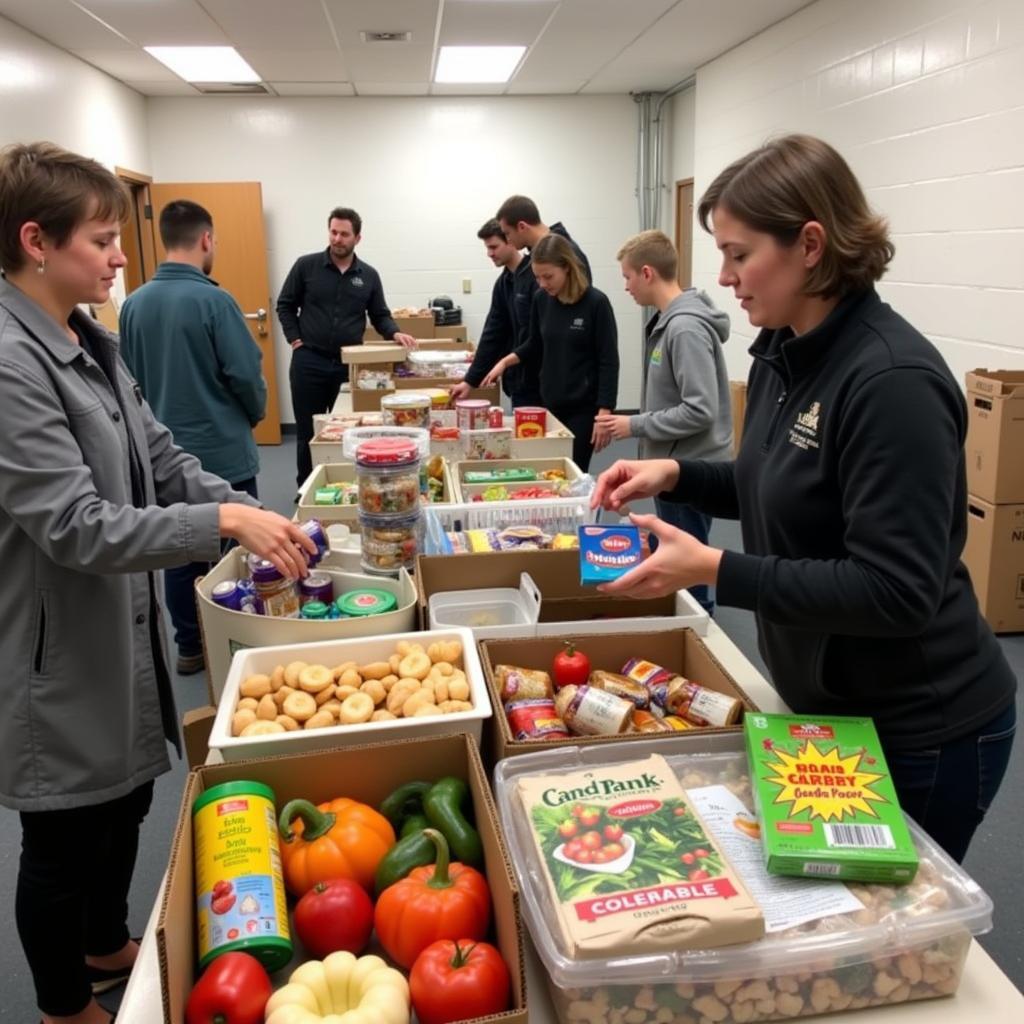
{"x":388,"y":470}
{"x":472,"y":414}
{"x":240,"y":897}
{"x":317,"y":586}
{"x":314,"y":610}
{"x":314,"y":529}
{"x":440,"y":398}
{"x":389,"y":544}
{"x":406,"y":409}
{"x":360,"y":603}
{"x":276,"y":595}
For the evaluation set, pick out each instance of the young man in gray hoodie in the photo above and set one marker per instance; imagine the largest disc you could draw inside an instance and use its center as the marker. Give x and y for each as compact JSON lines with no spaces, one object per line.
{"x":684,"y":398}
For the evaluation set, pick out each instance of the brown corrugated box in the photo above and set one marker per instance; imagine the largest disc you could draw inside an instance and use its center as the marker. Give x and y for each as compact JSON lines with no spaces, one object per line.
{"x":994,"y":555}
{"x":417,"y":326}
{"x":738,"y":398}
{"x":679,"y":650}
{"x":995,"y":435}
{"x":366,"y":773}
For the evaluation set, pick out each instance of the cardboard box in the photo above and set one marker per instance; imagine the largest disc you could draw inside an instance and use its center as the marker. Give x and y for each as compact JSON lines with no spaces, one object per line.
{"x":994,"y":556}
{"x":562,"y":598}
{"x":417,"y":326}
{"x":457,"y":332}
{"x":679,"y":650}
{"x":369,"y":401}
{"x":363,"y":650}
{"x":995,"y":435}
{"x":464,"y":492}
{"x":226,"y":631}
{"x":738,"y":399}
{"x":366,"y":773}
{"x":388,"y":352}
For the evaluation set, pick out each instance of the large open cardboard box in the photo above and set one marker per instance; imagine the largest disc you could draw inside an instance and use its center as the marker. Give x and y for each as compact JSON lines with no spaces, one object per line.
{"x":995,"y":435}
{"x":366,"y":773}
{"x":994,"y":556}
{"x":417,"y":326}
{"x":566,"y":605}
{"x":679,"y":650}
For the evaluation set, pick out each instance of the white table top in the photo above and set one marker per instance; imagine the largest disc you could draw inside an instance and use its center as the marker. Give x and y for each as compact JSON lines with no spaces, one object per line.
{"x":985,"y":993}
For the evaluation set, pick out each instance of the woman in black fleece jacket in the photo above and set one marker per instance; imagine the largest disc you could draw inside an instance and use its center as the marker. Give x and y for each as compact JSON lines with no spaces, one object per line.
{"x":850,"y":490}
{"x":574,"y":339}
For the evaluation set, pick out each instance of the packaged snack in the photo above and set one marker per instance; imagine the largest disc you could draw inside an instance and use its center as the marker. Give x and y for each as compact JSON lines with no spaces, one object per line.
{"x":826,"y":800}
{"x":678,"y":696}
{"x":531,"y":421}
{"x":588,"y":711}
{"x":374,"y":380}
{"x":487,"y":444}
{"x":515,"y":683}
{"x":389,"y":476}
{"x":535,"y":719}
{"x":611,"y":841}
{"x":621,"y":686}
{"x":608,"y":552}
{"x":512,"y":474}
{"x":495,"y":418}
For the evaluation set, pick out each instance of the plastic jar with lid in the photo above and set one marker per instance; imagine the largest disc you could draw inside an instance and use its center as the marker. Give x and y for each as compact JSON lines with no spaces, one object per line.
{"x":389,"y":544}
{"x":276,"y":595}
{"x":388,"y":470}
{"x":406,"y":409}
{"x":472,"y":413}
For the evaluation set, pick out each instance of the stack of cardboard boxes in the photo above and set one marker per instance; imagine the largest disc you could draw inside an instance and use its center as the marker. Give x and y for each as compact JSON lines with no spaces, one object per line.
{"x":994,"y":552}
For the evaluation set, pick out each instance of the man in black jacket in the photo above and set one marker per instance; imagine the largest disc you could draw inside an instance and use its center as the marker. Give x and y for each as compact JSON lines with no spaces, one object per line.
{"x":520,"y":221}
{"x":507,"y":321}
{"x":323,"y":306}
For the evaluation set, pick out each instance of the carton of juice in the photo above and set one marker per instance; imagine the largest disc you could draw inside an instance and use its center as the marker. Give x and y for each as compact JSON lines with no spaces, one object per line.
{"x":825,"y":799}
{"x":608,"y":552}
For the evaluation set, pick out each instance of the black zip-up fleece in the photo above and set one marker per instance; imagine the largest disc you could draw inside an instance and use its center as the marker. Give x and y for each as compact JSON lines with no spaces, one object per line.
{"x":852,"y":497}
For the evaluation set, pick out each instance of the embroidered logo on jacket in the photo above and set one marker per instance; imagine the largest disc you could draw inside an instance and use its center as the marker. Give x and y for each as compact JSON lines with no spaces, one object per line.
{"x":656,"y":357}
{"x":577,"y":324}
{"x":804,"y":433}
{"x":357,"y":282}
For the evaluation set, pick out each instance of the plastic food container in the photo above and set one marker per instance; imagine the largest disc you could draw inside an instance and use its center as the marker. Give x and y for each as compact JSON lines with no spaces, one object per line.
{"x":357,"y":603}
{"x":276,"y":595}
{"x":406,"y":409}
{"x":356,"y":436}
{"x":390,"y":544}
{"x":487,"y":612}
{"x":388,"y":470}
{"x":440,"y":398}
{"x":472,"y":414}
{"x":904,"y":943}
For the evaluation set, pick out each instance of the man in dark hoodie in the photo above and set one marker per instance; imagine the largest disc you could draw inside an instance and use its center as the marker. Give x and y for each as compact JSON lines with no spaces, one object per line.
{"x":520,"y":221}
{"x":684,"y":398}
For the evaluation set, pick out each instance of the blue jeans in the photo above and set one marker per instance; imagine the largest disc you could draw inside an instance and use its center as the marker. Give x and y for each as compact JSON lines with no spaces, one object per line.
{"x":948,"y":789}
{"x":698,"y":525}
{"x":180,"y":592}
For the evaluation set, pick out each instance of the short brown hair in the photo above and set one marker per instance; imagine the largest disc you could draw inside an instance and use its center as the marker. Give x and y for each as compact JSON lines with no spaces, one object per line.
{"x":556,"y":251}
{"x":346,"y":213}
{"x":652,"y":249}
{"x":56,"y":189}
{"x":778,"y":188}
{"x":491,"y":229}
{"x":518,"y":208}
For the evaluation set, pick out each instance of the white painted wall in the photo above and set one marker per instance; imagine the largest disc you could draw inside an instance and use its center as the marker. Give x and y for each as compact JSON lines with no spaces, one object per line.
{"x":680,"y":129}
{"x":925,"y":98}
{"x":424,"y":174}
{"x":45,"y":93}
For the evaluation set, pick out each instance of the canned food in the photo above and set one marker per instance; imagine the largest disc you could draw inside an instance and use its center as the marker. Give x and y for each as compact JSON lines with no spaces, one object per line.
{"x":531,"y":421}
{"x":317,"y":586}
{"x":535,"y":720}
{"x":472,"y":414}
{"x":240,"y":896}
{"x":496,"y":418}
{"x":314,"y":529}
{"x":276,"y":595}
{"x":228,"y":594}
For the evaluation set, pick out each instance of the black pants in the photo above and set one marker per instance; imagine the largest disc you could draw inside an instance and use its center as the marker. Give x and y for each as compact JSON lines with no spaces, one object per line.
{"x":72,"y":897}
{"x":180,"y":591}
{"x":581,"y":423}
{"x":315,"y":379}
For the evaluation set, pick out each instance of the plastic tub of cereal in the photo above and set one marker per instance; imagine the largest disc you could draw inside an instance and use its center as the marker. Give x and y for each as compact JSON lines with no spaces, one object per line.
{"x":406,"y":409}
{"x":828,"y":947}
{"x":388,"y":470}
{"x":390,"y":543}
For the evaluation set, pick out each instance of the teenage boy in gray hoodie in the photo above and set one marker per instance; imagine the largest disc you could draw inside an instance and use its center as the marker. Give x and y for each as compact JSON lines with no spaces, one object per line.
{"x":684,"y":398}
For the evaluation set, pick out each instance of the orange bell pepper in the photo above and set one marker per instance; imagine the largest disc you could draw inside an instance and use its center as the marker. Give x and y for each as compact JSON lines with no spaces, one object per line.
{"x":341,"y":838}
{"x":436,"y":901}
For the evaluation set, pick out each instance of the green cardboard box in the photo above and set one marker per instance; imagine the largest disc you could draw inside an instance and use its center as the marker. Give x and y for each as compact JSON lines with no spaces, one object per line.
{"x":825,"y":800}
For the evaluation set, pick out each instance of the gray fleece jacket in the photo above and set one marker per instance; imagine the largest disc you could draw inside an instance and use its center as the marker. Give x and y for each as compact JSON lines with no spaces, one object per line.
{"x":686,"y":412}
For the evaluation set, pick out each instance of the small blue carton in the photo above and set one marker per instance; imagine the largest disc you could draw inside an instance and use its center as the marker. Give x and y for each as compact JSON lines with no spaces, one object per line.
{"x":608,"y":552}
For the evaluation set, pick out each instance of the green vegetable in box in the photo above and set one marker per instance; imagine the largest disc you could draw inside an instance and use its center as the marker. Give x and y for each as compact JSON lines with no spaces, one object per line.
{"x":826,"y":800}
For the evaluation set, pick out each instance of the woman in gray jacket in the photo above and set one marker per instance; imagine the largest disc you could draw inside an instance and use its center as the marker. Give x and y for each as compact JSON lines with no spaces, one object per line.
{"x":94,"y":499}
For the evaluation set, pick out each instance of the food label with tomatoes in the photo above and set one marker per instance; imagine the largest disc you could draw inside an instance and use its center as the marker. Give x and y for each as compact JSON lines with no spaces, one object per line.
{"x":630,"y":865}
{"x":240,"y":895}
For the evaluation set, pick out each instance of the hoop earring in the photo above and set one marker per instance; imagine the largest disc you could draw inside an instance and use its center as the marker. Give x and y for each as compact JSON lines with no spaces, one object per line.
{"x":41,"y":269}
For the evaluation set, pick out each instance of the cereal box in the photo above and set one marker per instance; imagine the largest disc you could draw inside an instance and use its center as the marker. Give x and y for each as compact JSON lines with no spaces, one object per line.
{"x":826,"y":801}
{"x":608,"y":552}
{"x":629,"y":863}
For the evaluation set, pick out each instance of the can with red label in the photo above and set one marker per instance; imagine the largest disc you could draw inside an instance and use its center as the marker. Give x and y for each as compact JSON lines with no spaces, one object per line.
{"x":496,"y":418}
{"x":535,"y":719}
{"x":531,"y":421}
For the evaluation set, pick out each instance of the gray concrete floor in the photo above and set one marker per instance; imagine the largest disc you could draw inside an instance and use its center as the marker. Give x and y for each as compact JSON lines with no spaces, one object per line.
{"x":995,"y":859}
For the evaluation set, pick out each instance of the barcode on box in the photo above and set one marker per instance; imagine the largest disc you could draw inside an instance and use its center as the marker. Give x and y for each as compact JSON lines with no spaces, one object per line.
{"x":874,"y":837}
{"x":816,"y":868}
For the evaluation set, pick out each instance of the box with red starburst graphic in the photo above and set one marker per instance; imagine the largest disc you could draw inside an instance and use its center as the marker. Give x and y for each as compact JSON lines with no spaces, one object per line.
{"x":825,"y":799}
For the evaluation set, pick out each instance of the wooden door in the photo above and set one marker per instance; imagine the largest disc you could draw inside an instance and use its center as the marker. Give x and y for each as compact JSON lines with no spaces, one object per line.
{"x":239,"y":266}
{"x":684,"y":231}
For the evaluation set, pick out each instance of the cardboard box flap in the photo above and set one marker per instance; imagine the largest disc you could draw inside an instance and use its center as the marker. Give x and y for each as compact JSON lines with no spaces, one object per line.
{"x":996,"y":383}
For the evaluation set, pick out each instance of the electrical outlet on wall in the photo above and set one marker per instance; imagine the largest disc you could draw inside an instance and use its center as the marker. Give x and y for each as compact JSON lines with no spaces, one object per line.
{"x":467,"y":286}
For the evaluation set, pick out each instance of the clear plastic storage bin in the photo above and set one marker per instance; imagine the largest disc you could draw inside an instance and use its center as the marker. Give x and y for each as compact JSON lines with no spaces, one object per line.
{"x":905,"y":943}
{"x":493,"y":612}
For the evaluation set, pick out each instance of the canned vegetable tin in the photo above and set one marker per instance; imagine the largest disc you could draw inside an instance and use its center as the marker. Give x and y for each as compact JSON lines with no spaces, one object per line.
{"x":240,"y":896}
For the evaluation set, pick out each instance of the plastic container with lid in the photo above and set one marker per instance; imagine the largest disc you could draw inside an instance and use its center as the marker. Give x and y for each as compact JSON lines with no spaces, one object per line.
{"x":357,"y":436}
{"x":904,"y":943}
{"x":388,"y":470}
{"x":440,"y":398}
{"x":369,"y":601}
{"x":390,"y":543}
{"x":315,"y":610}
{"x":472,"y":414}
{"x":276,"y":595}
{"x":406,"y":409}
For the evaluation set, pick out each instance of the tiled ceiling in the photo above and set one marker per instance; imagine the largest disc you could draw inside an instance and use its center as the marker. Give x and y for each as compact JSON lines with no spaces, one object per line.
{"x":316,"y":47}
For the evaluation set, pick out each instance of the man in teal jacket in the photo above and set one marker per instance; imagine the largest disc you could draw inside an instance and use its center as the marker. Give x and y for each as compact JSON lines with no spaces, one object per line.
{"x":186,"y":342}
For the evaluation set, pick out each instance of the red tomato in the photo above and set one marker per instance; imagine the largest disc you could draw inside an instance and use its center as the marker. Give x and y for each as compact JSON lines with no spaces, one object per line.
{"x":590,"y":817}
{"x":234,"y":989}
{"x":701,"y":853}
{"x":614,"y":850}
{"x":583,"y":856}
{"x":613,"y":833}
{"x":687,"y":858}
{"x":567,"y":829}
{"x":699,"y":875}
{"x":599,"y":857}
{"x":591,"y":840}
{"x":457,"y":981}
{"x":333,"y":915}
{"x":573,"y":847}
{"x":570,"y":667}
{"x":577,"y":810}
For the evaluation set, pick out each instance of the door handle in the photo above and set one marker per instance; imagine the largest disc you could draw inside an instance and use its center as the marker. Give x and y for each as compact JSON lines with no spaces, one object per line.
{"x":260,"y":316}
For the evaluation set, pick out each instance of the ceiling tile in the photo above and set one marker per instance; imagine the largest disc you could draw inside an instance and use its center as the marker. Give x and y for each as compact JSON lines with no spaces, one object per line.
{"x":392,"y":88}
{"x":159,"y":22}
{"x":312,"y":88}
{"x":388,"y":62}
{"x":136,"y":65}
{"x":264,"y":24}
{"x":175,"y":88}
{"x":297,"y":65}
{"x":350,"y":17}
{"x":62,"y":24}
{"x":495,"y":23}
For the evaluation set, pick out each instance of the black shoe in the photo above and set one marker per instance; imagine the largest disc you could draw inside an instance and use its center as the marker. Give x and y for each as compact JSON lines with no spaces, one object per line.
{"x":190,"y":664}
{"x":101,"y":980}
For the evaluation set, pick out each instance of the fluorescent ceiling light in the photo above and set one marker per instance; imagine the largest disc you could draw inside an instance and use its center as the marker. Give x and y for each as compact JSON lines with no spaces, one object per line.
{"x":477,"y":64}
{"x":204,"y":63}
